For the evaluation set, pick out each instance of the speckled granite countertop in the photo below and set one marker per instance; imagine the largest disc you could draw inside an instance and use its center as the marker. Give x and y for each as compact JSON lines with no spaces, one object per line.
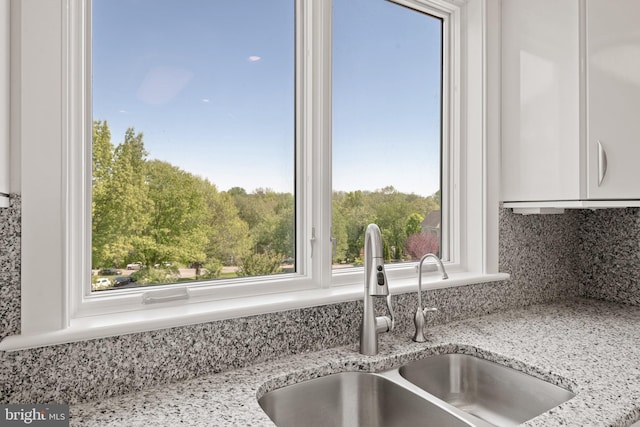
{"x":588,"y":346}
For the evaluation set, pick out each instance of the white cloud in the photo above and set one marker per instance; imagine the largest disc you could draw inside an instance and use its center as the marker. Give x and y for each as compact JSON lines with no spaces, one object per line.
{"x":206,"y":100}
{"x":254,"y":58}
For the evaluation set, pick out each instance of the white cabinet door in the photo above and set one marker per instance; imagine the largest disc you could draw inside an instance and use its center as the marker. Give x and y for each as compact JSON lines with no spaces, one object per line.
{"x":540,"y":100}
{"x":613,"y":98}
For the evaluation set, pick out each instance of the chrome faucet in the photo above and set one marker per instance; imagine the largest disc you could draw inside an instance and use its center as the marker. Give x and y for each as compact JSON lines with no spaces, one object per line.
{"x":375,"y":285}
{"x":421,"y":313}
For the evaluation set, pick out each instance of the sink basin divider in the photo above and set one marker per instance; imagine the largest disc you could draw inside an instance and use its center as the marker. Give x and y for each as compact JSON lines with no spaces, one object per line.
{"x":394,"y":375}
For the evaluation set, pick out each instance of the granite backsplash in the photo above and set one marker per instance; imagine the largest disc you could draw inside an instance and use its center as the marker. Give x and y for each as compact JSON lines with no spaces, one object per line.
{"x":609,"y":253}
{"x":545,"y":254}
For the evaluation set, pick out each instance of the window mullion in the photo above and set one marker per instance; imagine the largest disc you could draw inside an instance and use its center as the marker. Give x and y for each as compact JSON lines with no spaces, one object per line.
{"x":318,"y":88}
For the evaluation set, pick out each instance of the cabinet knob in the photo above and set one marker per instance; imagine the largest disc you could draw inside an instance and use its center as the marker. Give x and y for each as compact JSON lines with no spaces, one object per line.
{"x":602,"y":163}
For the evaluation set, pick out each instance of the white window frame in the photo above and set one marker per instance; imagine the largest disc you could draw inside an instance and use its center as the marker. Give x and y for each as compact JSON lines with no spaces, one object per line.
{"x":451,"y":203}
{"x":53,"y":117}
{"x":84,"y":302}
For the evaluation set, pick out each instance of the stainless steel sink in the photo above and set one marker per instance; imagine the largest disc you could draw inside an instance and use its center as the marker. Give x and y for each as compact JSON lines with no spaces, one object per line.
{"x":497,"y":394}
{"x":352,"y":399}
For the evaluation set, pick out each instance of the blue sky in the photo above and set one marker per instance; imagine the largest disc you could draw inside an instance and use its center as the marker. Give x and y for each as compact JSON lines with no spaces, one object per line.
{"x":210,"y":84}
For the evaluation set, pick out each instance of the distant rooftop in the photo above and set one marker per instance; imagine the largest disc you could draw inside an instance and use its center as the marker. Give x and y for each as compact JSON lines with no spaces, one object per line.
{"x":432,"y":221}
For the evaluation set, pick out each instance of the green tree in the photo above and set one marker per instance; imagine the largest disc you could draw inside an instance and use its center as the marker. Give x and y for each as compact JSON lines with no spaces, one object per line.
{"x":213,"y":269}
{"x":102,"y":153}
{"x":102,"y":229}
{"x":358,"y":212}
{"x":260,"y":264}
{"x":399,"y":215}
{"x":339,"y":232}
{"x":270,"y":217}
{"x":391,"y":212}
{"x":229,"y":238}
{"x":120,"y":202}
{"x":413,"y":224}
{"x":178,"y":229}
{"x":155,"y":276}
{"x":154,"y":212}
{"x":284,"y":233}
{"x":437,"y":197}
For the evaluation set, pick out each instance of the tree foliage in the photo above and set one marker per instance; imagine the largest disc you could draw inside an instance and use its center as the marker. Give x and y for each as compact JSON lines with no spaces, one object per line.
{"x":398,"y":215}
{"x":419,"y":244}
{"x":270,"y":217}
{"x":229,"y":238}
{"x":120,"y":203}
{"x":154,"y":276}
{"x":150,"y":211}
{"x":413,"y":224}
{"x":260,"y":264}
{"x":177,"y":230}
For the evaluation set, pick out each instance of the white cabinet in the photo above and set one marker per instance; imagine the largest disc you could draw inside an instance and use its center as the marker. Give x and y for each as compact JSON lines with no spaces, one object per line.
{"x":570,"y":103}
{"x":613,"y":98}
{"x":540,"y":100}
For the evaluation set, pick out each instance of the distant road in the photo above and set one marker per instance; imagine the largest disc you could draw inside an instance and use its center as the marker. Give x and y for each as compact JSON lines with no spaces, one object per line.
{"x":191,"y":272}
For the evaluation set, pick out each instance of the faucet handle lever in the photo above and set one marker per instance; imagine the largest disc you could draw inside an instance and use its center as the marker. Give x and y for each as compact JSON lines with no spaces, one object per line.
{"x":386,"y":323}
{"x":390,"y":308}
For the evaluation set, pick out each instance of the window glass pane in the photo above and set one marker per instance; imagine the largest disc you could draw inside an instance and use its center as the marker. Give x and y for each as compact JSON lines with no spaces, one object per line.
{"x":193,"y":140}
{"x":387,"y":103}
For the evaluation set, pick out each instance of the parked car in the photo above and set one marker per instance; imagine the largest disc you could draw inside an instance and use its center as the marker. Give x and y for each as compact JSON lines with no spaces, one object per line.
{"x":103,"y":282}
{"x":163,"y":265}
{"x":109,"y":272}
{"x":134,"y":266}
{"x":123,"y":280}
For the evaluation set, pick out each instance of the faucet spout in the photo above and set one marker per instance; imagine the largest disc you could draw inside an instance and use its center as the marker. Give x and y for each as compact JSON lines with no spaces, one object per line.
{"x":421,"y":313}
{"x":375,"y":285}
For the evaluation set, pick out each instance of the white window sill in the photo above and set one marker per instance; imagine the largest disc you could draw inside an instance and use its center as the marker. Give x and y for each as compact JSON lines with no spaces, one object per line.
{"x":170,"y":315}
